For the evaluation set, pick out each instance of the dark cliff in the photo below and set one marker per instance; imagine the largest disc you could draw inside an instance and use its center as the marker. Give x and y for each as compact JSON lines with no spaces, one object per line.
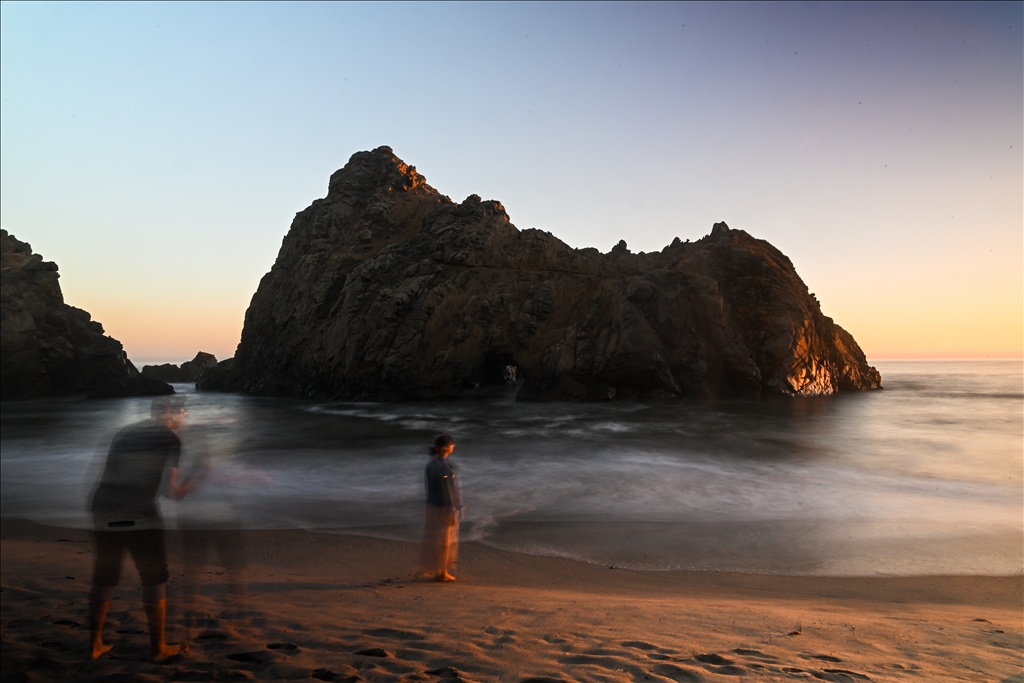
{"x":49,"y":348}
{"x":386,"y":289}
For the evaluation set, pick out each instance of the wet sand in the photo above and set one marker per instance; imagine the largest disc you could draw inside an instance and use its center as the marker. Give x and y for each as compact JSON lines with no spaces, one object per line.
{"x":347,"y":608}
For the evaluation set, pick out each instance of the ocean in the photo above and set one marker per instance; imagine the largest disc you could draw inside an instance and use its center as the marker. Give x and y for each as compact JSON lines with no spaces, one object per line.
{"x":924,"y":477}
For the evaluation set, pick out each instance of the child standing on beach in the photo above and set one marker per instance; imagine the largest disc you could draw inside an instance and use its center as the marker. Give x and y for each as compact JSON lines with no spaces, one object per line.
{"x":444,"y":512}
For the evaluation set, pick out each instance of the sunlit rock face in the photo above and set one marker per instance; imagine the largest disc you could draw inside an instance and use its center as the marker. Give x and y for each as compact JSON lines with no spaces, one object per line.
{"x":386,"y":289}
{"x":49,"y":348}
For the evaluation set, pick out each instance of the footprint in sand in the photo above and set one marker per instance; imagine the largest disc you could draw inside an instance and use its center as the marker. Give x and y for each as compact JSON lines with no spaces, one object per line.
{"x":663,"y":655}
{"x":501,"y":638}
{"x":614,"y":663}
{"x":677,"y":673}
{"x":840,"y":675}
{"x":332,"y":677}
{"x":75,"y":624}
{"x":256,"y":657}
{"x":720,"y":665}
{"x":448,"y":674}
{"x":831,"y":675}
{"x":282,"y":671}
{"x":764,"y":659}
{"x":213,"y":636}
{"x":824,"y":658}
{"x":755,"y":653}
{"x":394,"y":634}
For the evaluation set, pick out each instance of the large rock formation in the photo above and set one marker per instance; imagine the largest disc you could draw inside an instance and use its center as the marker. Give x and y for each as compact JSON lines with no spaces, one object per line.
{"x":386,"y":289}
{"x":48,"y":347}
{"x":189,"y":371}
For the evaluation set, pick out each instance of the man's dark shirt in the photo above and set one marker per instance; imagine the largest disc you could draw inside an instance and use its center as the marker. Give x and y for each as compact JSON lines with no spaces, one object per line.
{"x":442,"y":489}
{"x":135,"y":467}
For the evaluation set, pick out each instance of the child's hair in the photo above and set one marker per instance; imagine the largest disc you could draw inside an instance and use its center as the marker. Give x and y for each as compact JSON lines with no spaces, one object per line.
{"x":440,"y":443}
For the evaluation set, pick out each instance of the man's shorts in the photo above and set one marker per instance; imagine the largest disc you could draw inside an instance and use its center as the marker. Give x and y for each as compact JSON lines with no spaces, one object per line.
{"x":147,"y":550}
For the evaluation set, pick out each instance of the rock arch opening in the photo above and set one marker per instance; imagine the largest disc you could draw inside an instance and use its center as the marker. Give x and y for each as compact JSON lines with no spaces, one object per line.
{"x":499,"y":369}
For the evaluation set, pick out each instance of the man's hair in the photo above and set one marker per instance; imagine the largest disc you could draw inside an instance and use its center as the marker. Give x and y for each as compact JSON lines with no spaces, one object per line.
{"x":162,"y":405}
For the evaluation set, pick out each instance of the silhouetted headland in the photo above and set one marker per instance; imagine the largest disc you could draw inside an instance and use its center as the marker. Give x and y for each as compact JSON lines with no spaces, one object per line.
{"x":50,"y":348}
{"x":387,"y":290}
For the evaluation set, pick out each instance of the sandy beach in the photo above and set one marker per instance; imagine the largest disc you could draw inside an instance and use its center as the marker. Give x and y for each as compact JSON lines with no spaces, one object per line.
{"x":346,"y":608}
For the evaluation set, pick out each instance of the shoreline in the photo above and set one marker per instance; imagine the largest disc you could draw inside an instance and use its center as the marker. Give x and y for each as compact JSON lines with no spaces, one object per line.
{"x":780,"y":550}
{"x":510,"y":617}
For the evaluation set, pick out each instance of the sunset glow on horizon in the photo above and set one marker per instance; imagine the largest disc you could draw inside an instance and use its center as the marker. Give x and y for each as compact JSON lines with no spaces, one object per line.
{"x":158,"y":152}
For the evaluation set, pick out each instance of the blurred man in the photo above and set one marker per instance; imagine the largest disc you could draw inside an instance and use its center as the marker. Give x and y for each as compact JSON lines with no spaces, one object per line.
{"x":126,"y":518}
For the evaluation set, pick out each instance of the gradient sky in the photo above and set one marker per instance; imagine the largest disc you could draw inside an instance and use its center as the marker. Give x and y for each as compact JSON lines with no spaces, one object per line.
{"x":158,"y":152}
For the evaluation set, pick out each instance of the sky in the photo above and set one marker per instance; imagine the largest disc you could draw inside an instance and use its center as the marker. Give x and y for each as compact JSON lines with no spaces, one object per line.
{"x":158,"y":152}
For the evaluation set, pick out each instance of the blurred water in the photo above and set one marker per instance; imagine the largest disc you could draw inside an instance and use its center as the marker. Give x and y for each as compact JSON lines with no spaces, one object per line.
{"x":924,"y":477}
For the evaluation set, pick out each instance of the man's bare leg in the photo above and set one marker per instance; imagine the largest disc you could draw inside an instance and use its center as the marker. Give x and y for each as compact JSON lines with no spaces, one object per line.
{"x":155,"y":603}
{"x":99,"y":605}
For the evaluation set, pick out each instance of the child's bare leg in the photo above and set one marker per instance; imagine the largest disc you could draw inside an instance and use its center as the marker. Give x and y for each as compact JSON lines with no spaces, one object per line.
{"x":445,"y":557}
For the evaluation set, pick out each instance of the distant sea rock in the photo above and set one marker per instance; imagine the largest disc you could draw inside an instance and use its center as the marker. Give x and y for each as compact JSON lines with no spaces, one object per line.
{"x":189,"y":371}
{"x":387,"y":290}
{"x":49,"y":348}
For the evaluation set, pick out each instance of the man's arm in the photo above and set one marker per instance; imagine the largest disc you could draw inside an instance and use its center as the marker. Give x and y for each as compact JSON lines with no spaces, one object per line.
{"x":174,"y":489}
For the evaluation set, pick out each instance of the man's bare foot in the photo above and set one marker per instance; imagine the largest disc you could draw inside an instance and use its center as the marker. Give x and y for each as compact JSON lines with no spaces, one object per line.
{"x":99,"y":650}
{"x":167,"y":651}
{"x":444,"y":577}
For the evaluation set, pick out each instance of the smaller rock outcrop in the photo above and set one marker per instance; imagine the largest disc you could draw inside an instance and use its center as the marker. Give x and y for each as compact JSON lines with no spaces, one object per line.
{"x":50,"y":348}
{"x":221,"y":377}
{"x":189,"y":371}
